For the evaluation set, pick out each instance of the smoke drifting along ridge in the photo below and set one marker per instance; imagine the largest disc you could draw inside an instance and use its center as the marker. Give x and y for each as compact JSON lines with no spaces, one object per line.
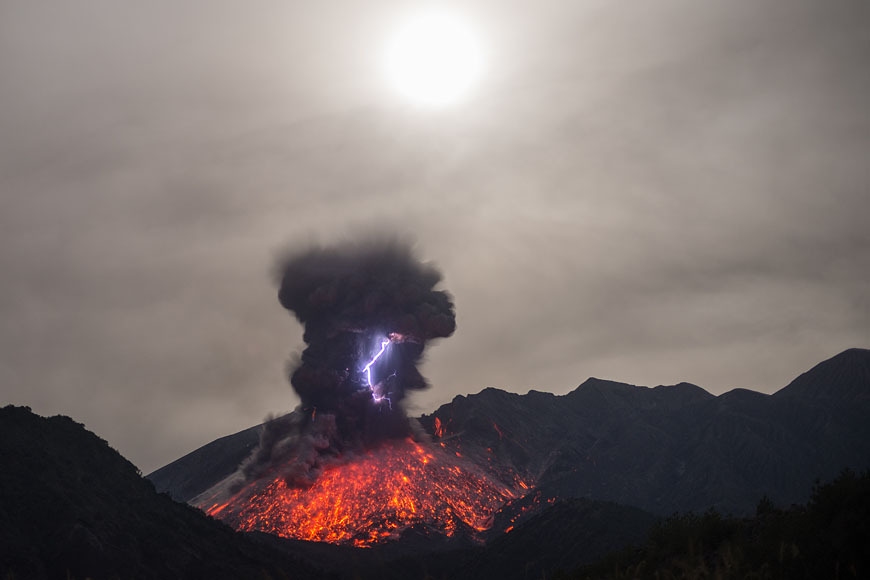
{"x":368,"y":309}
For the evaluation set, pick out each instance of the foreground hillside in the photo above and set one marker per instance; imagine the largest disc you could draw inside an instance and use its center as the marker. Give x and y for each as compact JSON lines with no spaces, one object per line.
{"x":71,"y":507}
{"x":827,"y":538}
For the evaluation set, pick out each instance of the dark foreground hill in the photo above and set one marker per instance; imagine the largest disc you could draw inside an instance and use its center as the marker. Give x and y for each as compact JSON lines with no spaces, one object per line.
{"x":566,"y":535}
{"x":663,"y":449}
{"x":563,"y":536}
{"x":829,"y":537}
{"x":71,"y":507}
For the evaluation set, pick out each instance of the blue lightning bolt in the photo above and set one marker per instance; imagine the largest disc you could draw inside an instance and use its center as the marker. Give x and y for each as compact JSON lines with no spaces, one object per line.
{"x":368,"y":367}
{"x":368,"y":371}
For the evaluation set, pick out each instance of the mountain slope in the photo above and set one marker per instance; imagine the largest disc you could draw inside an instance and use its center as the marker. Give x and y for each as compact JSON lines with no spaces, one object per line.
{"x":200,"y":469}
{"x":838,"y":381}
{"x":663,"y":449}
{"x":673,"y":448}
{"x":72,"y":507}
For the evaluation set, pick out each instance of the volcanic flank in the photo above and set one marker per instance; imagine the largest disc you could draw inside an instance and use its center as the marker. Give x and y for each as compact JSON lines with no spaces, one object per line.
{"x":349,"y":465}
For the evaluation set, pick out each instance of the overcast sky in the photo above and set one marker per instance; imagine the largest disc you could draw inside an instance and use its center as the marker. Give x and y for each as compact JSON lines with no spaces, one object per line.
{"x":649,"y":192}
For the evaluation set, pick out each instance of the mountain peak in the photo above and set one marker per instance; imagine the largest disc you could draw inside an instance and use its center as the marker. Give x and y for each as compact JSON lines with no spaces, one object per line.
{"x":842,"y":378}
{"x":685,"y":390}
{"x":596,"y":383}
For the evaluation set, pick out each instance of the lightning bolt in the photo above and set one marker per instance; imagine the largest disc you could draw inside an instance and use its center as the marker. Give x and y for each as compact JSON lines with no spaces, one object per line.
{"x":368,"y":368}
{"x":368,"y":371}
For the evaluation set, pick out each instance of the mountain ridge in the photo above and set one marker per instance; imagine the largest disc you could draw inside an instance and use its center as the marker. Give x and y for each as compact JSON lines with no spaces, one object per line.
{"x":846,"y":375}
{"x":663,"y":449}
{"x":600,"y":463}
{"x":72,"y":507}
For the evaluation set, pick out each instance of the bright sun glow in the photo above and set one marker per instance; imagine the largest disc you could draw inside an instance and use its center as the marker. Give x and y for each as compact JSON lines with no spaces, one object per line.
{"x":434,"y":59}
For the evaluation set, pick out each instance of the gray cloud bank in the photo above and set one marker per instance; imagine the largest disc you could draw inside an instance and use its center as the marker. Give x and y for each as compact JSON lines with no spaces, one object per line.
{"x":653,"y":193}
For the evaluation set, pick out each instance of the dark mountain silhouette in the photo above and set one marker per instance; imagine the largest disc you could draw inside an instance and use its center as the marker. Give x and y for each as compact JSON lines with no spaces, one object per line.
{"x":663,"y":449}
{"x":841,"y":380}
{"x":674,"y":448}
{"x":71,"y":507}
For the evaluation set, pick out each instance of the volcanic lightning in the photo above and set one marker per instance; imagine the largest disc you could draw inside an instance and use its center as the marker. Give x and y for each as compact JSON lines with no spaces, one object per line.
{"x":345,"y":467}
{"x":368,"y":371}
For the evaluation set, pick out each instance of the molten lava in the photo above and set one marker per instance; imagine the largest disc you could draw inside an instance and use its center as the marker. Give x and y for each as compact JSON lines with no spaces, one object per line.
{"x":372,"y":497}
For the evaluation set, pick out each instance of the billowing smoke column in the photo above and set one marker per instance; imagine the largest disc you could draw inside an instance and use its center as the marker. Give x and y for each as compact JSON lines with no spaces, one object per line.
{"x":368,"y":310}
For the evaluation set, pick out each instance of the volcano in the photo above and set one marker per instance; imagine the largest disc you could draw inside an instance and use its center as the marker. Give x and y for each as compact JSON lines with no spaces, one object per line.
{"x":371,"y":498}
{"x":349,"y":467}
{"x":663,"y":449}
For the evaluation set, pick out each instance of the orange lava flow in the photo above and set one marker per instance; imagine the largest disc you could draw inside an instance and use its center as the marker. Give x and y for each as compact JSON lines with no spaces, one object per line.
{"x":372,"y":497}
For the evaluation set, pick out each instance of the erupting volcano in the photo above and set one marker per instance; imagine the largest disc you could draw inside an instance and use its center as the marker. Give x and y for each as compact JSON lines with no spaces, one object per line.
{"x":372,"y":497}
{"x":349,"y":466}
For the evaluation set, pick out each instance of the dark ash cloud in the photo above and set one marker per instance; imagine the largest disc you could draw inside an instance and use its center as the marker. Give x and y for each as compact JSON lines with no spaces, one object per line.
{"x":369,"y":307}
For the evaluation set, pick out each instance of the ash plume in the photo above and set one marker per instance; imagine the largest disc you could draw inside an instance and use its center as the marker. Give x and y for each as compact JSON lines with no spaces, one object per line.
{"x":368,"y":310}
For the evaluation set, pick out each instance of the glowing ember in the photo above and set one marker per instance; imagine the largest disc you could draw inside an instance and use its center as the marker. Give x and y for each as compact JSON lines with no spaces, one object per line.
{"x":371,"y":498}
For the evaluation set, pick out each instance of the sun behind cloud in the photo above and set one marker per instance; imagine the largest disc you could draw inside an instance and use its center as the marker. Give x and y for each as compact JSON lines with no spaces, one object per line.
{"x":434,"y":58}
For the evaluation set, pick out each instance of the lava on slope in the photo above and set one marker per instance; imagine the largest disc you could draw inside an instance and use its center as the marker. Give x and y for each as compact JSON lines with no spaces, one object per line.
{"x":372,"y":497}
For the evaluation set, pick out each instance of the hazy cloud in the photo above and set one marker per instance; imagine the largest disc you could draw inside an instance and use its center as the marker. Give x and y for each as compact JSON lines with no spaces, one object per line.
{"x":651,"y":193}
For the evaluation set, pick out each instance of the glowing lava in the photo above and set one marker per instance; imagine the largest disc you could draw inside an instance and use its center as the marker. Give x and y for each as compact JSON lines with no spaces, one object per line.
{"x":372,"y":497}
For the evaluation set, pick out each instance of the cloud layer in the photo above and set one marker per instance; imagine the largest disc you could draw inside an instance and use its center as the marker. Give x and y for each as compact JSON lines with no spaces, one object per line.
{"x":673,"y":191}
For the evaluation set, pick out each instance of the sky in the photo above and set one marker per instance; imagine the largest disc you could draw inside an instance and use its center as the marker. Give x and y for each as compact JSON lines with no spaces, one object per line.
{"x":647,"y":192}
